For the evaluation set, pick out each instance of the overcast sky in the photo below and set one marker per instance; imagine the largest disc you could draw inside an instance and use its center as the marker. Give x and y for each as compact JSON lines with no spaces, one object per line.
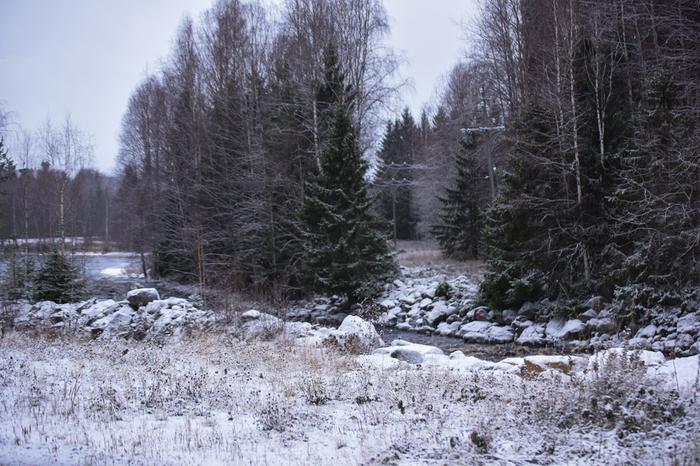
{"x":84,"y":57}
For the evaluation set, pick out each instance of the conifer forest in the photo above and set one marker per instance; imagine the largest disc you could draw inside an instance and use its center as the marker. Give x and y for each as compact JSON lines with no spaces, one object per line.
{"x":291,"y":262}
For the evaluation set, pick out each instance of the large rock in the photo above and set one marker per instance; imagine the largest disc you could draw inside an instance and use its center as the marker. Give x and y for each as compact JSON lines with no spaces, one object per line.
{"x":647,"y":332}
{"x":388,"y":303}
{"x":259,"y":325}
{"x":604,"y":325}
{"x":37,"y":315}
{"x":117,"y":324}
{"x":109,"y":319}
{"x":438,"y":314}
{"x":532,"y":336}
{"x":448,"y":329}
{"x":142,"y":296}
{"x":413,"y":353}
{"x":684,"y":341}
{"x":475,"y":332}
{"x":679,"y":374}
{"x":253,"y":314}
{"x":425,"y":303}
{"x":166,"y":320}
{"x":689,"y":323}
{"x":480,"y":313}
{"x":560,"y":329}
{"x":357,"y":335}
{"x":114,"y":323}
{"x":498,"y":334}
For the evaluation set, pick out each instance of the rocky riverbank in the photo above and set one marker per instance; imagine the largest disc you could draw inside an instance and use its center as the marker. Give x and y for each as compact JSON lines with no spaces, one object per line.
{"x":430,"y":302}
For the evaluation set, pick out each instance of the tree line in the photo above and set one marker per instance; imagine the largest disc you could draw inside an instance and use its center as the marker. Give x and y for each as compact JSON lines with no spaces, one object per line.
{"x":563,"y":150}
{"x":575,"y":148}
{"x":225,"y":148}
{"x":49,"y":191}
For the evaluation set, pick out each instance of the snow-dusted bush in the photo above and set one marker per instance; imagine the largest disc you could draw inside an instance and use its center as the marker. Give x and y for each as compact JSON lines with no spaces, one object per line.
{"x":314,"y":390}
{"x":274,"y":414}
{"x":620,"y":393}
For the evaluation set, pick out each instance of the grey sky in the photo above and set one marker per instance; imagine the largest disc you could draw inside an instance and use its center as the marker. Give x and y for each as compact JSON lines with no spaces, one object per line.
{"x":84,"y":57}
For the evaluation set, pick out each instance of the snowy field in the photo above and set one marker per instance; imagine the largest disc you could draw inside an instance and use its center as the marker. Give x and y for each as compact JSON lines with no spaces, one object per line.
{"x":219,"y":400}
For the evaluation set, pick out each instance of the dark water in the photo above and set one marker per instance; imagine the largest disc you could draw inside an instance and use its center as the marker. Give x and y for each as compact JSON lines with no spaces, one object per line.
{"x":495,"y":352}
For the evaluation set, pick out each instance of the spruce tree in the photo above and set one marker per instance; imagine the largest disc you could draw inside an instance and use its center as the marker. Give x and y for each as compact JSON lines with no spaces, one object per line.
{"x":347,"y":249}
{"x":459,"y":230}
{"x":18,"y":278}
{"x":58,"y":280}
{"x":7,"y":166}
{"x":656,"y":205}
{"x":395,"y":177}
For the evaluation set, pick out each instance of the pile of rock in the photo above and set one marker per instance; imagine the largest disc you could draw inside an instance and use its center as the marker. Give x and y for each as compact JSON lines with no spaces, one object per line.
{"x":422,"y":299}
{"x":143,"y":315}
{"x":673,"y":331}
{"x":425,"y":301}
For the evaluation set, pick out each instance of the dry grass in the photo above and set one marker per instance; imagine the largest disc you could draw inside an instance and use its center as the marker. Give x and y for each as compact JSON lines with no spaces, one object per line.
{"x":208,"y":400}
{"x":428,"y":254}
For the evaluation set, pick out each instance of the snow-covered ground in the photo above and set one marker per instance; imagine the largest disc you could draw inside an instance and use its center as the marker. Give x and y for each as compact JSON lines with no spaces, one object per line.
{"x":221,"y":400}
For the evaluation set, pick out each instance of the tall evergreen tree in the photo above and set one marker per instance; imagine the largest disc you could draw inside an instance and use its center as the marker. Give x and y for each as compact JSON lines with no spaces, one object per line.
{"x":347,"y":249}
{"x":7,"y":166}
{"x":656,"y":206}
{"x":395,"y":178}
{"x":459,"y":230}
{"x":18,"y":277}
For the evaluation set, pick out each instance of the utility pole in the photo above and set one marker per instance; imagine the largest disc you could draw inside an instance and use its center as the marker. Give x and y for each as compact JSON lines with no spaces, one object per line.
{"x":489,"y":161}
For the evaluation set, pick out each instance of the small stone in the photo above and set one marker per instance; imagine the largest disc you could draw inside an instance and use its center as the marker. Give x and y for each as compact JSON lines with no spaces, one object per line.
{"x":250,"y":315}
{"x":508,"y":316}
{"x":588,"y":315}
{"x":528,"y":311}
{"x":481,"y":313}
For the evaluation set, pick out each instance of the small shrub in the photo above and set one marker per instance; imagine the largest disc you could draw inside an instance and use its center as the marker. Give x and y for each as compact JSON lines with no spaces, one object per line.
{"x":271,"y":329}
{"x":273,"y":415}
{"x":314,"y":391}
{"x":479,"y":441}
{"x":444,"y":290}
{"x":58,"y":280}
{"x":501,"y":290}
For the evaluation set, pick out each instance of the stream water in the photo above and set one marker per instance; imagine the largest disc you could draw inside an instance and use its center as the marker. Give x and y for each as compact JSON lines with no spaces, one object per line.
{"x":489,"y":352}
